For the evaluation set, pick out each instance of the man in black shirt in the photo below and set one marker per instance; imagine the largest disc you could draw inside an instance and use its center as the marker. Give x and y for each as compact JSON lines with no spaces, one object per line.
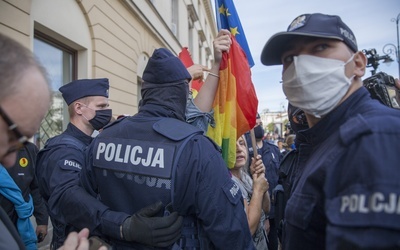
{"x":23,"y":173}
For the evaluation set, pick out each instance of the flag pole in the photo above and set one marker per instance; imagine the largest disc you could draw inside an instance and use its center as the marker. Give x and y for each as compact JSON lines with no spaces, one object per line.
{"x":253,"y":143}
{"x":218,"y":19}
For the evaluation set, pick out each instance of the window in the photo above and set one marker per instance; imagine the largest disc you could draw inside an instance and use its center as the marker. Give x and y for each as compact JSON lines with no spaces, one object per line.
{"x":139,"y":90}
{"x":60,"y":63}
{"x":175,"y":17}
{"x":191,"y":31}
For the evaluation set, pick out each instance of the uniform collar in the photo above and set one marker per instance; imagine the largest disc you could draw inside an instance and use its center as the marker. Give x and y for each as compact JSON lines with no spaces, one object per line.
{"x":78,"y":134}
{"x":332,"y":121}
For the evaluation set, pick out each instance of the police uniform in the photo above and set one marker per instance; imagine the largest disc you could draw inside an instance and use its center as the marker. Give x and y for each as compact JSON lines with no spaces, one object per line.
{"x":346,"y":191}
{"x":289,"y":167}
{"x":23,"y":173}
{"x":58,"y":166}
{"x":155,"y":155}
{"x":350,"y":197}
{"x":270,"y":156}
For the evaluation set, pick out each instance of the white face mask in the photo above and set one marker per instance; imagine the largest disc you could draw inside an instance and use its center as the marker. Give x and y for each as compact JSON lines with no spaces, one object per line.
{"x":315,"y":84}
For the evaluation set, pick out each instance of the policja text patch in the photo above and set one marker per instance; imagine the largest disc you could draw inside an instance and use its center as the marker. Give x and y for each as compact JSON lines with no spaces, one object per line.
{"x":361,"y":206}
{"x":134,"y":156}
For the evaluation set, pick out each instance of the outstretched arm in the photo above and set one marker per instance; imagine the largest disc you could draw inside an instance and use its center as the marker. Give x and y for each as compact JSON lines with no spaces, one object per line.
{"x":205,"y":97}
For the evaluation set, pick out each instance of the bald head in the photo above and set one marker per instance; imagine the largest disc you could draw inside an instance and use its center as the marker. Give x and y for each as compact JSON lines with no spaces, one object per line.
{"x":25,"y":97}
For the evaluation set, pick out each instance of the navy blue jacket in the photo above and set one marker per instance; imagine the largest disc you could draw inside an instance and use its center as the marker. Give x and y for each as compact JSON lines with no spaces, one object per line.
{"x":70,"y":207}
{"x":130,"y":167}
{"x":270,"y":156}
{"x":23,"y":173}
{"x":346,"y":193}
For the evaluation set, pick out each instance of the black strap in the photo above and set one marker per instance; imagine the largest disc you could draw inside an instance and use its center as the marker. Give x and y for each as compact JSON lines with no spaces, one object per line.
{"x":11,"y":228}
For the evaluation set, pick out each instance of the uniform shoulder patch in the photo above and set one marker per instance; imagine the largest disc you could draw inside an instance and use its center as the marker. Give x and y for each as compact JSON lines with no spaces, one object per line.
{"x":68,"y":164}
{"x":232,"y":191}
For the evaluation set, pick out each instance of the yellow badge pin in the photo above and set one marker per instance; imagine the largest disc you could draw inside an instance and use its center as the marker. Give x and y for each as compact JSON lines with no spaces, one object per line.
{"x":23,"y":162}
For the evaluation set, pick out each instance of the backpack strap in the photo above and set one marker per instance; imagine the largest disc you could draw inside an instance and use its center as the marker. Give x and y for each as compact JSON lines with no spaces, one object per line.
{"x":180,"y":131}
{"x":174,"y":129}
{"x":177,"y":131}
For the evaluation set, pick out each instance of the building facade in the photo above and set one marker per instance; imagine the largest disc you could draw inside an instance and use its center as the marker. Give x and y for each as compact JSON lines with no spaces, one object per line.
{"x":277,"y":120}
{"x":78,"y":39}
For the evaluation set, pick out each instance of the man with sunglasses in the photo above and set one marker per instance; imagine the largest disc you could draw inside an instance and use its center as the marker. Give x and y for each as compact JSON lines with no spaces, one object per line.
{"x":347,"y":195}
{"x":24,"y":100}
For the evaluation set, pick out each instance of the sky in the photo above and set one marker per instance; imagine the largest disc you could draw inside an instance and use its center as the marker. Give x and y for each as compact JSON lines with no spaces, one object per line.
{"x":370,"y":20}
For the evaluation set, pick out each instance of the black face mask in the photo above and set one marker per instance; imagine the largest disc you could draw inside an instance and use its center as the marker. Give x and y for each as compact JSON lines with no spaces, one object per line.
{"x":259,"y":132}
{"x":101,"y":119}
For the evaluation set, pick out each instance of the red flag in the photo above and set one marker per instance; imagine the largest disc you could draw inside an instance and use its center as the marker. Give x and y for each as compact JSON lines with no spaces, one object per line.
{"x":186,"y":59}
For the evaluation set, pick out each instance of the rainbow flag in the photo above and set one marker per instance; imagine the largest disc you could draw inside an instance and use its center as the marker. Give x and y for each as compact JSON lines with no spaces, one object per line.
{"x":235,"y":103}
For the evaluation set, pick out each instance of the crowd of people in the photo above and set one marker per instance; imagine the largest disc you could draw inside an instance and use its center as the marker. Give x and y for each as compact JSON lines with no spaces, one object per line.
{"x":155,"y":181}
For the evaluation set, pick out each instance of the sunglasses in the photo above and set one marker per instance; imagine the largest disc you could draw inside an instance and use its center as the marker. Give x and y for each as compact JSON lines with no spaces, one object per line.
{"x":299,"y":117}
{"x":21,"y":139}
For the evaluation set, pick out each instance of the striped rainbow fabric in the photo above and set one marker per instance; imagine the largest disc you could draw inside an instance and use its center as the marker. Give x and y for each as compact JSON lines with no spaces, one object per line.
{"x":235,"y":103}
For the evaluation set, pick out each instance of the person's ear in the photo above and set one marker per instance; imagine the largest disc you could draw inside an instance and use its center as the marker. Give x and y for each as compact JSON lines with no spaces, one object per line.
{"x":360,"y":61}
{"x":77,"y":107}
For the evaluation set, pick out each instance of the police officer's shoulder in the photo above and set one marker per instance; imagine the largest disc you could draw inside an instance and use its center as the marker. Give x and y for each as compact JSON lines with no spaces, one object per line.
{"x":174,"y":129}
{"x":118,"y":120}
{"x":64,"y":140}
{"x":218,"y":148}
{"x":384,"y":121}
{"x":271,"y":145}
{"x":288,"y":157}
{"x":51,"y":142}
{"x":31,"y":147}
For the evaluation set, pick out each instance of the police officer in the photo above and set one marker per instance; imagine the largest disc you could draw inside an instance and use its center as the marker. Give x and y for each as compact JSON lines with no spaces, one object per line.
{"x":60,"y":162}
{"x":289,"y":166}
{"x":155,"y":155}
{"x":23,"y":173}
{"x":347,"y":194}
{"x":270,"y":156}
